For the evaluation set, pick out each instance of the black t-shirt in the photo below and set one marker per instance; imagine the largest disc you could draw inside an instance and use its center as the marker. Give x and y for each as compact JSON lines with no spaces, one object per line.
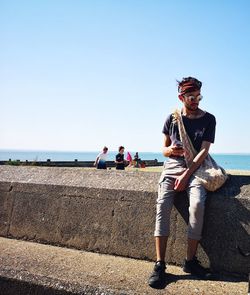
{"x":120,"y":157}
{"x":198,"y":130}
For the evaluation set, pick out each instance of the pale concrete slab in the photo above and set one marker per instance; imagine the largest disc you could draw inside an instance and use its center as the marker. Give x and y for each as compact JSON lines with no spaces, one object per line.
{"x":78,"y":272}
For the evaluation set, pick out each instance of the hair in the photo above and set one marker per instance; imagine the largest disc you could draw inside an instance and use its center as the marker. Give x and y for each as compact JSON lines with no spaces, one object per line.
{"x":190,"y":80}
{"x":121,"y":147}
{"x":105,"y":148}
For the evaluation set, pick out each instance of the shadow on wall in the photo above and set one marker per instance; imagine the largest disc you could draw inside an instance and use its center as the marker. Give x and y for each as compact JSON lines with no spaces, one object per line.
{"x":226,"y":231}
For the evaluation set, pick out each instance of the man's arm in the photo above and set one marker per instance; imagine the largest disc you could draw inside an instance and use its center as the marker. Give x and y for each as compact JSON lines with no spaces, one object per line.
{"x":96,"y":160}
{"x":170,"y":150}
{"x":182,"y":181}
{"x":200,"y":157}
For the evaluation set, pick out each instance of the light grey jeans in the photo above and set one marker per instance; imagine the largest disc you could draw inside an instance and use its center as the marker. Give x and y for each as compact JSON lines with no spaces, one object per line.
{"x":166,"y":193}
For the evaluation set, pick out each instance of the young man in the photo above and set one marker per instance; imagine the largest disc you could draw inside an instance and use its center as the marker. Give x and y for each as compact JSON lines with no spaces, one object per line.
{"x":200,"y":127}
{"x":119,"y":159}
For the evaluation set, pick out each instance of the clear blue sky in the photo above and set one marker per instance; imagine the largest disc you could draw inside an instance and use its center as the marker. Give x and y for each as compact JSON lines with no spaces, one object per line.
{"x":77,"y":75}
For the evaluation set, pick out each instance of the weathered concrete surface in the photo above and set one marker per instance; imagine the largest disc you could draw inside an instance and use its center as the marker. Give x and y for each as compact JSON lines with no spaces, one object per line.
{"x":6,"y":206}
{"x":113,"y":212}
{"x":30,"y":268}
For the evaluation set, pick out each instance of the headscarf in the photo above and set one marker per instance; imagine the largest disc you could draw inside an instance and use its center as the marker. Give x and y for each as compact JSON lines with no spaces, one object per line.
{"x":189,"y":85}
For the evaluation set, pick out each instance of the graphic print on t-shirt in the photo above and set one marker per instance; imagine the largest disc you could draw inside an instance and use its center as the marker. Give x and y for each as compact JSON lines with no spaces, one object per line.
{"x":198,"y":133}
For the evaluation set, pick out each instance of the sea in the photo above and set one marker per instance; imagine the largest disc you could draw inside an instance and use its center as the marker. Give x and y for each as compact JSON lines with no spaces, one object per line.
{"x":227,"y":161}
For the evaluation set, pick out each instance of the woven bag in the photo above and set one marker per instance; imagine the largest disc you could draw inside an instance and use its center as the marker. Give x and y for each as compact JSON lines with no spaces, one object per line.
{"x":210,"y":174}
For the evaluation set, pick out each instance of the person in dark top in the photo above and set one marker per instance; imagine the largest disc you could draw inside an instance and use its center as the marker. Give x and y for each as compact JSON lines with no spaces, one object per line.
{"x":119,"y":159}
{"x":200,"y":127}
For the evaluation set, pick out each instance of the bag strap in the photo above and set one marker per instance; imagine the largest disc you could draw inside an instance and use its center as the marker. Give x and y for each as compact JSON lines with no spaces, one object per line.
{"x":190,"y":151}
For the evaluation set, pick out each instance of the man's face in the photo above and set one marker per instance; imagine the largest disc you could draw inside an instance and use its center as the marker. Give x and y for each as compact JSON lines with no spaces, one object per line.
{"x":122,"y":151}
{"x":191,"y":100}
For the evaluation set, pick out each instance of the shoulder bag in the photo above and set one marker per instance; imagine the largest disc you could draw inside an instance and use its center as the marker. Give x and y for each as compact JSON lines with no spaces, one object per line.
{"x":210,"y":174}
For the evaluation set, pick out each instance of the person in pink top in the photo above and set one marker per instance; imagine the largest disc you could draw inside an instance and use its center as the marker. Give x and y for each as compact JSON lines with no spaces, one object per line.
{"x":129,"y":159}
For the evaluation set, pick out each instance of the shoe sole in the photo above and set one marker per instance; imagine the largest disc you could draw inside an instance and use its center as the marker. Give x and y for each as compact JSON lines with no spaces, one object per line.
{"x":206,"y":276}
{"x":186,"y":270}
{"x":157,"y":285}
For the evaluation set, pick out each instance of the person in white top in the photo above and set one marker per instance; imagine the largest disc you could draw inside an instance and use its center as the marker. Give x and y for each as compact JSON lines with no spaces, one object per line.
{"x":100,"y":161}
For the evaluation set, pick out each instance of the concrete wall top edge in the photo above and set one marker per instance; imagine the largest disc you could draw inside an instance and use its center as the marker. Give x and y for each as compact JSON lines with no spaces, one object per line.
{"x":74,"y":180}
{"x":80,"y":178}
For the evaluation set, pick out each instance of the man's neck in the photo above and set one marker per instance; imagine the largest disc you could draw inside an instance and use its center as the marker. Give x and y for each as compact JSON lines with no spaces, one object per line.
{"x":192,"y":114}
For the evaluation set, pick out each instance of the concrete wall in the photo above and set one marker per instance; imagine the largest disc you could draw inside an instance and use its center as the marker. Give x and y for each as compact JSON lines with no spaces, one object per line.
{"x":114,"y":211}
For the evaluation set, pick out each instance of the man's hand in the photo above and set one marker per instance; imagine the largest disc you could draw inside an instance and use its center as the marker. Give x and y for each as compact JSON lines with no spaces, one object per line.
{"x":177,"y":150}
{"x":181,"y":182}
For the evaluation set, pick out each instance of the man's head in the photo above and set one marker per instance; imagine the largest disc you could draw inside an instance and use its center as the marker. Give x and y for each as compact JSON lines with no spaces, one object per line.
{"x":188,"y":84}
{"x":189,"y":92}
{"x":121,"y":149}
{"x":105,"y":150}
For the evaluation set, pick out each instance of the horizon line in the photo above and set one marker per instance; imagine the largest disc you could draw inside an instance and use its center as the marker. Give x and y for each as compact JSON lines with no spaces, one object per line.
{"x":97,"y":151}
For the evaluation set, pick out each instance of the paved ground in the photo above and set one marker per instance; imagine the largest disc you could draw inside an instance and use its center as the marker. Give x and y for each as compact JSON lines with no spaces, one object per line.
{"x":89,"y":273}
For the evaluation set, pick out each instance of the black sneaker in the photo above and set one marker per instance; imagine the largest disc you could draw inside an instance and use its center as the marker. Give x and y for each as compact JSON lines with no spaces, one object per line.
{"x":157,"y":278}
{"x":195,"y":268}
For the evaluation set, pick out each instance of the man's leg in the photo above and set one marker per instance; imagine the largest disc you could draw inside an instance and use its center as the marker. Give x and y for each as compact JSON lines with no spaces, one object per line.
{"x":197,"y":198}
{"x":192,"y":248}
{"x":164,"y":206}
{"x":161,"y":245}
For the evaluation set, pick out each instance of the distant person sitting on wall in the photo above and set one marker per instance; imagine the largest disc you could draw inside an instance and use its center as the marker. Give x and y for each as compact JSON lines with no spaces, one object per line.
{"x":100,"y":161}
{"x":137,"y":160}
{"x":119,"y":159}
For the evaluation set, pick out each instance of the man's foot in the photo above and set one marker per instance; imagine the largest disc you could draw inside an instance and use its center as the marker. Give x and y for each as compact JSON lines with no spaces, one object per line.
{"x":157,"y":278}
{"x":195,"y":268}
